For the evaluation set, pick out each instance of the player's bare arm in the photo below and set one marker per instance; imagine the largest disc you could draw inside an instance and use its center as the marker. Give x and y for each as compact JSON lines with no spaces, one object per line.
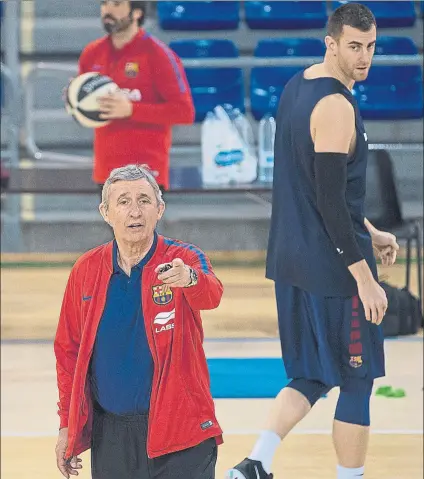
{"x":333,"y":130}
{"x":333,"y":125}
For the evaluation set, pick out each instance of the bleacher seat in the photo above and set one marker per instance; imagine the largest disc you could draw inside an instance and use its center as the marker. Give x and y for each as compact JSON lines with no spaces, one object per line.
{"x":287,"y":15}
{"x":266,"y":86}
{"x":386,"y":45}
{"x":204,"y":48}
{"x":389,"y":14}
{"x":212,"y":86}
{"x":267,"y":83}
{"x":391,"y":93}
{"x":198,"y":15}
{"x":287,"y":47}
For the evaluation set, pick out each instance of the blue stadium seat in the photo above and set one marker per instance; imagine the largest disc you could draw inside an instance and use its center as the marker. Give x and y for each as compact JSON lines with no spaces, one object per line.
{"x":266,"y":86}
{"x":391,"y":93}
{"x":267,"y":83}
{"x":287,"y":15}
{"x":204,"y":48}
{"x":198,"y":15}
{"x":422,"y":9}
{"x":389,"y":14}
{"x":395,"y":46}
{"x":212,"y":86}
{"x":290,"y":47}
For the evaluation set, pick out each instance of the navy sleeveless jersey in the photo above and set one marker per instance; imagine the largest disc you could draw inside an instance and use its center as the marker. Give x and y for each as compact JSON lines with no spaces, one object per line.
{"x":300,"y":251}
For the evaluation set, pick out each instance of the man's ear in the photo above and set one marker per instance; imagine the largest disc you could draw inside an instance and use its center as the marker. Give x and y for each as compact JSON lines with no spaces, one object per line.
{"x":103,"y":212}
{"x":161,"y":211}
{"x":331,"y":44}
{"x":137,"y":14}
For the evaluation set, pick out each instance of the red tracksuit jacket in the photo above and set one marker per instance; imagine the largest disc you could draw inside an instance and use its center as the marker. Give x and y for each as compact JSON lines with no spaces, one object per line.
{"x":182,"y":412}
{"x":154,"y":79}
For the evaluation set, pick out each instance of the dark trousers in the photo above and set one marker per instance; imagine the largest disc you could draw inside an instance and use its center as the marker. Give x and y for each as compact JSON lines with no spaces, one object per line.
{"x":118,"y":451}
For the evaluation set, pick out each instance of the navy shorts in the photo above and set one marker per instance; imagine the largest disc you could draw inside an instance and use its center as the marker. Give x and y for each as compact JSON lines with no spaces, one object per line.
{"x":118,"y":451}
{"x":327,"y":339}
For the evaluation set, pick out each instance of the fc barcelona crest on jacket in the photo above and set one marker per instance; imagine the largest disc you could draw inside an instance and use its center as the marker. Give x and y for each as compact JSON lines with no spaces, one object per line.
{"x":162,"y":294}
{"x":131,"y":69}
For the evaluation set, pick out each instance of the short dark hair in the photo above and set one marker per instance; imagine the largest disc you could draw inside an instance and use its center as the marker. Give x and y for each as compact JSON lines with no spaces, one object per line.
{"x":139,"y":6}
{"x":353,"y":15}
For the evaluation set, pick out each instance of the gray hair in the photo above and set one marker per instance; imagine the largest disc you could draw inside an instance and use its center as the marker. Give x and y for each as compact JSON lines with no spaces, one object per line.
{"x":131,"y":173}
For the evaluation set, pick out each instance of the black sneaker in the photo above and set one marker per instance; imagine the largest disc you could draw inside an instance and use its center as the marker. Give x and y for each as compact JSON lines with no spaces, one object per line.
{"x":248,"y":469}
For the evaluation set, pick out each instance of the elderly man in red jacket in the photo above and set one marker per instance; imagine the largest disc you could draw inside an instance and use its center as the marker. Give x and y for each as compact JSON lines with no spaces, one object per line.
{"x":154,"y":93}
{"x":132,"y":374}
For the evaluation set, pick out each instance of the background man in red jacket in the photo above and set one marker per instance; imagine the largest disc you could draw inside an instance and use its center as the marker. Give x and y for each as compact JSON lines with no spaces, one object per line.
{"x":154,"y":93}
{"x":132,"y":374}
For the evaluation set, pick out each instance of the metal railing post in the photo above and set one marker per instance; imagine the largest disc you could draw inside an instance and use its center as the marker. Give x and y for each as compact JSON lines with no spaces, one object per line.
{"x":11,"y":230}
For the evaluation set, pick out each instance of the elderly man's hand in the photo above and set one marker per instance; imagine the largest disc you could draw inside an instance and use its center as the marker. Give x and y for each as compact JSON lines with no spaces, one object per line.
{"x":67,"y":468}
{"x":178,"y":276}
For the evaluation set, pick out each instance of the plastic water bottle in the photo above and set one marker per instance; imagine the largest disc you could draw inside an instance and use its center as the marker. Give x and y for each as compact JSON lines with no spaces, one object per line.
{"x":212,"y":145}
{"x":266,"y":137}
{"x":247,"y":170}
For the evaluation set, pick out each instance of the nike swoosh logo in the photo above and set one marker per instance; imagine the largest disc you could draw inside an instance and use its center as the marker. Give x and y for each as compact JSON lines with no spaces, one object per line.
{"x":257,"y":473}
{"x":86,"y":298}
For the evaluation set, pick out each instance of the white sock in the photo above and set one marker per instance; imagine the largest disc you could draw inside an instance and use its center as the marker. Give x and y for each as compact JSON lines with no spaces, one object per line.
{"x":345,"y":473}
{"x":265,"y":448}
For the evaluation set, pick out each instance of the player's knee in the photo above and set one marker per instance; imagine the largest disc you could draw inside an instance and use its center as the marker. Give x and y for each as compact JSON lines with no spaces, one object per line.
{"x":353,"y":405}
{"x":312,"y":390}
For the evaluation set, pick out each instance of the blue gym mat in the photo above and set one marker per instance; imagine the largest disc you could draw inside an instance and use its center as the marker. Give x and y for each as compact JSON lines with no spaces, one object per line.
{"x":247,"y":377}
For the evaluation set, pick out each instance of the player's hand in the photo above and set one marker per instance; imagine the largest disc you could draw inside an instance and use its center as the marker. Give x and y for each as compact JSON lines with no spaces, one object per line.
{"x":386,"y":246}
{"x":178,"y":276}
{"x":115,"y":106}
{"x":374,"y":300}
{"x":67,"y":468}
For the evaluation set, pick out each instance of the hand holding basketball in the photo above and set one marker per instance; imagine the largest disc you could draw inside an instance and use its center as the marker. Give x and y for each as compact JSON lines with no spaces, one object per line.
{"x":82,"y":96}
{"x":177,"y":277}
{"x":115,"y":106}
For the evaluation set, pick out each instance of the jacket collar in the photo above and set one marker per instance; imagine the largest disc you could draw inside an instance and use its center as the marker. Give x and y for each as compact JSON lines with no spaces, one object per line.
{"x":107,"y":259}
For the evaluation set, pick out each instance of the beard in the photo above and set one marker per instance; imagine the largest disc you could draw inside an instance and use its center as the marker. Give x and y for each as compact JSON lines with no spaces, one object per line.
{"x":361,"y":75}
{"x":112,"y":25}
{"x":352,"y":72}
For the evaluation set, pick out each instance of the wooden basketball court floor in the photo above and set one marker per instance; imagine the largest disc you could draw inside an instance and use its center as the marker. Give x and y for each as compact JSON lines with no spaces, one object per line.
{"x":243,"y":326}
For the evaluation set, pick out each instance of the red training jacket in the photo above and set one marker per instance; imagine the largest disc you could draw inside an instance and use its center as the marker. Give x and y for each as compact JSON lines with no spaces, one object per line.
{"x":155,"y":81}
{"x":182,"y":412}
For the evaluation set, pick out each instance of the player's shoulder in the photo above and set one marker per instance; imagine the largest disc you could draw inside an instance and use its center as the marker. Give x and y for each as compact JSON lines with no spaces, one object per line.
{"x":90,"y":259}
{"x":182,"y":246}
{"x":95,"y":46}
{"x":337,"y":102}
{"x":334,"y":105}
{"x":159,"y":48}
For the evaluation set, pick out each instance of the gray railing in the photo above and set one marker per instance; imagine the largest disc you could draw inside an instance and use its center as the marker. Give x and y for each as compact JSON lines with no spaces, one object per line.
{"x":10,"y":118}
{"x":45,"y":69}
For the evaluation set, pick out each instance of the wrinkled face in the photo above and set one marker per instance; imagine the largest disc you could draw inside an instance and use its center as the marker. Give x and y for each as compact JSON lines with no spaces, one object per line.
{"x":117,"y":15}
{"x":354,"y":51}
{"x":133,"y":210}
